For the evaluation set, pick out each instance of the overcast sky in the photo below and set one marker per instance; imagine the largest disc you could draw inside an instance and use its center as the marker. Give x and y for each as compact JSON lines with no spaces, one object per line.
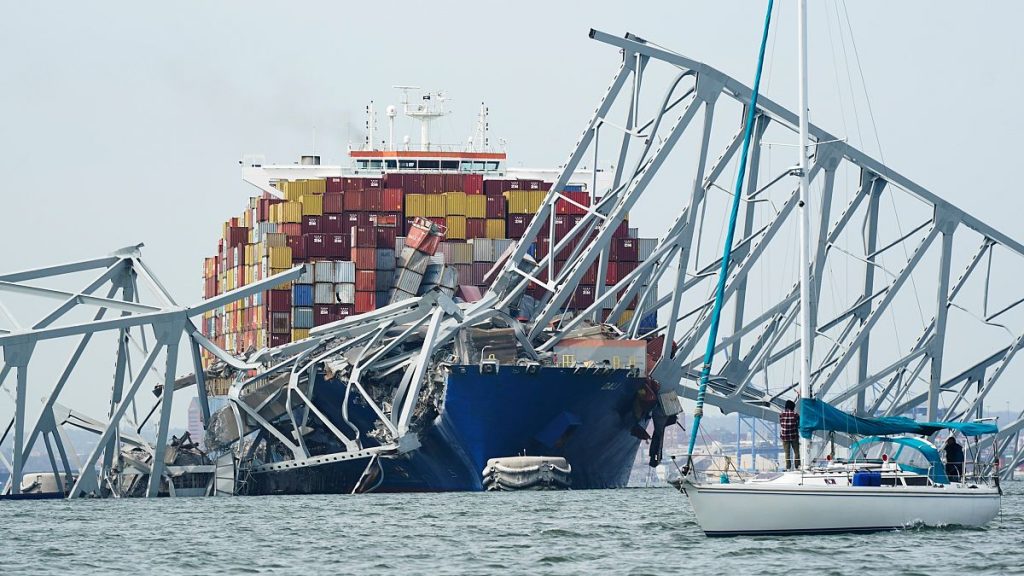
{"x":124,"y":122}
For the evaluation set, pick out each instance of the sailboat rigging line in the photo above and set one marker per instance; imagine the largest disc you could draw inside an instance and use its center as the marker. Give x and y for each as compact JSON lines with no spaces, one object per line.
{"x":723,"y":273}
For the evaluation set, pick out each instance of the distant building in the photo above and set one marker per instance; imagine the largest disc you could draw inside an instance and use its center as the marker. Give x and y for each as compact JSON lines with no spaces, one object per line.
{"x":195,"y":417}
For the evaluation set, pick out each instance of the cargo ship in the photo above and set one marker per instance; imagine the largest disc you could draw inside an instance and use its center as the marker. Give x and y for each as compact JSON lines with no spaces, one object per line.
{"x":399,"y":225}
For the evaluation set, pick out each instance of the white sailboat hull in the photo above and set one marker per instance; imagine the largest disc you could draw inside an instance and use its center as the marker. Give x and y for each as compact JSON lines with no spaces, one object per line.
{"x":791,"y":508}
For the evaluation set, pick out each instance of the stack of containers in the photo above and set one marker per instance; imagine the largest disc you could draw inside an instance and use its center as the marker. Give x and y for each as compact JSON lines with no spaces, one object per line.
{"x":368,"y":241}
{"x":418,"y":247}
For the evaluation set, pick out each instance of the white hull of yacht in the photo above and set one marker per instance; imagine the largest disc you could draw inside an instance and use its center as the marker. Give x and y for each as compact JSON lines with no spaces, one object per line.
{"x":789,"y":505}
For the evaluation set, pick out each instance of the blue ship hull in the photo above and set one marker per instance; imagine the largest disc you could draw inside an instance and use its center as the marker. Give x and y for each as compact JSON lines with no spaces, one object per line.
{"x":583,"y":415}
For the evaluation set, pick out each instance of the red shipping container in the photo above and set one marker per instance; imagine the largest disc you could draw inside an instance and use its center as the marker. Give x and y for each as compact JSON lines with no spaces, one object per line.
{"x":622,"y":231}
{"x":386,"y":237}
{"x":279,"y":339}
{"x":496,"y":206}
{"x":507,"y":185}
{"x":590,"y":276}
{"x":476,"y":227}
{"x":453,"y":182}
{"x":440,"y":222}
{"x":383,"y":219}
{"x":355,"y":219}
{"x":364,"y":237}
{"x":298,"y":246}
{"x":335,"y":185}
{"x":323,"y":314}
{"x":563,"y":206}
{"x":263,"y":208}
{"x":353,"y":201}
{"x":494,"y":187}
{"x":420,"y":239}
{"x":365,"y":302}
{"x":332,"y":224}
{"x":365,"y":258}
{"x":366,"y":280}
{"x":278,"y":300}
{"x":237,"y":235}
{"x":373,"y":183}
{"x":624,"y":250}
{"x":391,"y":200}
{"x":617,"y":271}
{"x":433,"y":184}
{"x":315,"y":245}
{"x":311,"y":224}
{"x":354,"y":184}
{"x":517,"y":225}
{"x":334,"y":203}
{"x":583,"y":297}
{"x":473,"y":183}
{"x":373,"y":200}
{"x":291,"y":229}
{"x":342,"y":311}
{"x":337,"y":246}
{"x":480,"y":270}
{"x":563,"y":224}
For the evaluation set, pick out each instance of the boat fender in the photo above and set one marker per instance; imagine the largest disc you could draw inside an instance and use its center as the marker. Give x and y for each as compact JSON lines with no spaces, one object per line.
{"x":723,"y":478}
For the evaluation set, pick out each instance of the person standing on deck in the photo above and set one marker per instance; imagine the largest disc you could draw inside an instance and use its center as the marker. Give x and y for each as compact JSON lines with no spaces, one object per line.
{"x":954,"y":459}
{"x":789,"y":429}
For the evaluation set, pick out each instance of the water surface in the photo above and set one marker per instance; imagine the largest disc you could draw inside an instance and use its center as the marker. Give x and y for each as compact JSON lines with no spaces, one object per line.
{"x":630,"y":531}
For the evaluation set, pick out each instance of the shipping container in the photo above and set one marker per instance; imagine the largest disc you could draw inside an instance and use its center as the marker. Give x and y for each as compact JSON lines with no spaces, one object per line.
{"x":473,"y":183}
{"x":483,"y":250}
{"x":366,"y":280}
{"x":299,"y":334}
{"x":323,"y":293}
{"x":517,"y":225}
{"x":338,"y":246}
{"x":345,"y":293}
{"x":408,"y":281}
{"x":280,"y":322}
{"x":365,"y":302}
{"x":434,"y":205}
{"x":364,"y":237}
{"x":456,"y":227}
{"x":385,"y":259}
{"x":454,"y":204}
{"x":302,"y":295}
{"x":312,"y":205}
{"x":344,"y":272}
{"x":623,"y":250}
{"x":385,"y":236}
{"x":302,"y":317}
{"x":332,"y":223}
{"x":495,"y":206}
{"x":315,"y":245}
{"x":279,"y":300}
{"x":415,"y":205}
{"x":384,"y":280}
{"x":364,"y":258}
{"x":353,"y":201}
{"x":311,"y":224}
{"x":280,"y":256}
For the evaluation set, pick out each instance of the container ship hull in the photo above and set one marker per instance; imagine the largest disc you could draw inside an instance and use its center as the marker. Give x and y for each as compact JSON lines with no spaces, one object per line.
{"x":583,"y":415}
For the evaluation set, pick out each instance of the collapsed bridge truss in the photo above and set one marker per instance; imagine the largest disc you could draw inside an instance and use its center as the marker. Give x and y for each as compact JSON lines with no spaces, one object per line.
{"x":908,"y":319}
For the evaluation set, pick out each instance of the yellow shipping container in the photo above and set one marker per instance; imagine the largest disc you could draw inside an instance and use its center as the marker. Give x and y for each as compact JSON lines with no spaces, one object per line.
{"x":415,"y":205}
{"x":312,"y":205}
{"x":625,"y":318}
{"x":536,"y":200}
{"x":317,"y":186}
{"x":283,"y":285}
{"x":275,"y":239}
{"x":456,"y":227}
{"x":520,"y":202}
{"x":455,"y":203}
{"x":299,"y":334}
{"x":280,"y":257}
{"x":495,"y":228}
{"x":435,"y":205}
{"x":290,"y":212}
{"x":476,"y":206}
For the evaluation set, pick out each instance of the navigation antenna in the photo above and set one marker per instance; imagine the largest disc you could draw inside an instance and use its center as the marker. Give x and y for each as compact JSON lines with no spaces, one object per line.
{"x":480,"y":139}
{"x":429,"y":107}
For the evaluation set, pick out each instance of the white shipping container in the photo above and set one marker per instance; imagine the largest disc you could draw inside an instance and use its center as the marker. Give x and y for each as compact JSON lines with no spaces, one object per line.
{"x":344,"y":272}
{"x":323,"y":293}
{"x":408,"y":281}
{"x":413,"y":260}
{"x":345,"y":293}
{"x":449,"y":278}
{"x":483,"y":249}
{"x":399,"y":244}
{"x":501,"y":245}
{"x":645,"y":248}
{"x":437,"y":258}
{"x":307,"y":275}
{"x":399,"y":295}
{"x":433,"y":274}
{"x":323,"y":271}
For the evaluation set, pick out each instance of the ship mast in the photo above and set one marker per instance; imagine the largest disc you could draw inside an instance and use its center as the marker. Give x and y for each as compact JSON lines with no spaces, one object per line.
{"x":805,"y":279}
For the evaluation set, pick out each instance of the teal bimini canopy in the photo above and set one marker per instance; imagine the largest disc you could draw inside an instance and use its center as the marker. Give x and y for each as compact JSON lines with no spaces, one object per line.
{"x":924,"y":458}
{"x":818,"y":415}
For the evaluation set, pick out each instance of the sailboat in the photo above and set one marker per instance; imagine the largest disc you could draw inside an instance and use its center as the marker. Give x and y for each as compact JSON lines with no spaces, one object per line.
{"x":851,"y":495}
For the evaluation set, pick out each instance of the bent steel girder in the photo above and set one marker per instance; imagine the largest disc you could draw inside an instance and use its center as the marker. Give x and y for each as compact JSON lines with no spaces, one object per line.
{"x":889,"y":269}
{"x":166,"y":323}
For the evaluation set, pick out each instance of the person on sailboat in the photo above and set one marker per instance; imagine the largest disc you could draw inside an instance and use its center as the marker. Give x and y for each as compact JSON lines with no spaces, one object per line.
{"x":789,"y":428}
{"x":954,"y":459}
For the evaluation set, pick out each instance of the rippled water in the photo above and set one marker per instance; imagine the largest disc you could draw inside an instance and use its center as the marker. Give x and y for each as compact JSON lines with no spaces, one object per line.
{"x":632,"y":531}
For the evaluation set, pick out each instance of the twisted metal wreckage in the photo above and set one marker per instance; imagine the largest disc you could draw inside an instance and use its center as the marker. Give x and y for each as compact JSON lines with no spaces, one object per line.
{"x":396,"y":358}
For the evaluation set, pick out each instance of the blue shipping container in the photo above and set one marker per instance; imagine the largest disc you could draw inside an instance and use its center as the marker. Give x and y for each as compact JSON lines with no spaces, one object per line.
{"x":302,"y":295}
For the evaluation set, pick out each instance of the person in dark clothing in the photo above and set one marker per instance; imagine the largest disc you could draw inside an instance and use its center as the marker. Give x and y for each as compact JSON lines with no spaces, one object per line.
{"x":789,"y":427}
{"x":954,"y":459}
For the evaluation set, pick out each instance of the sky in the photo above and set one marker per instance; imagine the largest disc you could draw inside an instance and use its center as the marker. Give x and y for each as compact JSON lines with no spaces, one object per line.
{"x":123,"y":122}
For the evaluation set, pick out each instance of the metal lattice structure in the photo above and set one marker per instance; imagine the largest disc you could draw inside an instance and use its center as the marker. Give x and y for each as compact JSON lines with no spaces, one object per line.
{"x":868,"y":282}
{"x":149,"y":333}
{"x":947,"y":255}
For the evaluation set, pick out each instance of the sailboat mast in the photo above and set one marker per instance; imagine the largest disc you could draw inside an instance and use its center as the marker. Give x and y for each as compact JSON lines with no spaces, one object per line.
{"x":804,"y":210}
